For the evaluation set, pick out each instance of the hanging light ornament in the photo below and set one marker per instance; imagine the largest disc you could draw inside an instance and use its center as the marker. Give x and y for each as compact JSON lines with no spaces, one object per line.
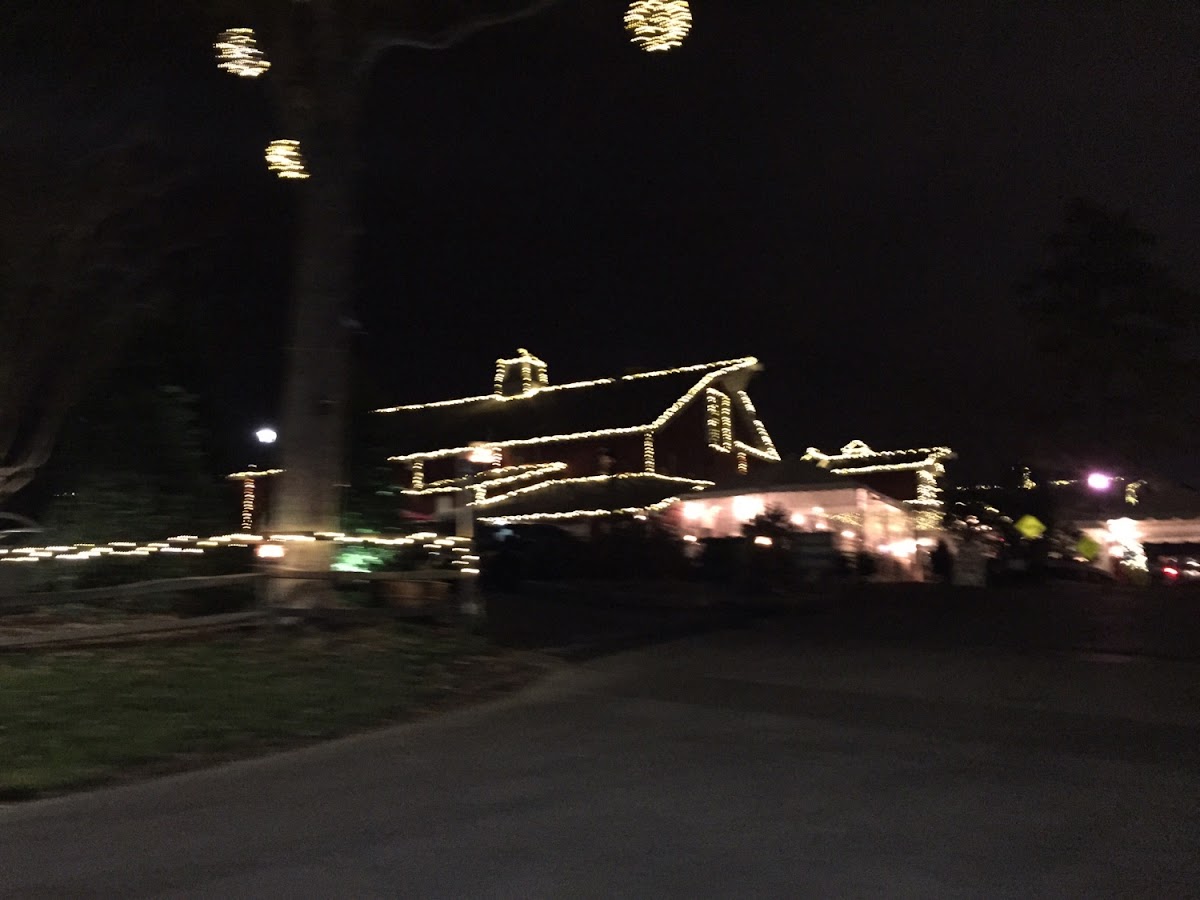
{"x":238,"y":53}
{"x":285,"y":159}
{"x":658,"y":24}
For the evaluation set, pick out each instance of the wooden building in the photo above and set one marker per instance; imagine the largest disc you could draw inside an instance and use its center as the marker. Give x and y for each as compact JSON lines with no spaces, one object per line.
{"x":530,"y":450}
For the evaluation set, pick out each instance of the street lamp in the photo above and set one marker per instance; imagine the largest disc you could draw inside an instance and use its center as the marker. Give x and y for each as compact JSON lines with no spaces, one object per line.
{"x":1098,"y":481}
{"x":266,"y":435}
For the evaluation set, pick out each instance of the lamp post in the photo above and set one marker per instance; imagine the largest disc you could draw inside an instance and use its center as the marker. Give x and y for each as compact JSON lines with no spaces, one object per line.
{"x":250,"y":501}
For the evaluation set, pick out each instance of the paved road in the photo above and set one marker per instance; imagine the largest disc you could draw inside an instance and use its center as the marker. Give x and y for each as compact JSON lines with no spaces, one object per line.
{"x":753,"y":763}
{"x":1057,"y":617}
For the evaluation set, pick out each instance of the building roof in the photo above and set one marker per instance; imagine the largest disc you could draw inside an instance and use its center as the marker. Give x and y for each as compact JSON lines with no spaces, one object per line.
{"x":858,"y":456}
{"x":588,"y":497}
{"x":791,"y":474}
{"x":606,"y":406}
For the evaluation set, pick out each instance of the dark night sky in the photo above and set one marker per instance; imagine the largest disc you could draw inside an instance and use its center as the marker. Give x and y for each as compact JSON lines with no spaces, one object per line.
{"x":849,"y":191}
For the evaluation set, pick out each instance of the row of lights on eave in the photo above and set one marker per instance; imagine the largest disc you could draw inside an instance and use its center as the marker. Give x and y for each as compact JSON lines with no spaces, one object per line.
{"x":653,"y":26}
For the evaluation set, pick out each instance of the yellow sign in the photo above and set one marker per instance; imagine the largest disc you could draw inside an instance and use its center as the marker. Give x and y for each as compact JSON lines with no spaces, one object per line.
{"x":1088,"y":548}
{"x":1030,"y":527}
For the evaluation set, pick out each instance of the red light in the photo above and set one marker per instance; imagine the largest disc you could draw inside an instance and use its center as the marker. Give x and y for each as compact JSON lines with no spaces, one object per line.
{"x":1171,"y":571}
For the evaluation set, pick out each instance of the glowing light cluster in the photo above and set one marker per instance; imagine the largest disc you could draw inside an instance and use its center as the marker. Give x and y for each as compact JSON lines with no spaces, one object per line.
{"x":648,"y":452}
{"x":238,"y":53}
{"x":719,"y":411}
{"x":248,"y":505}
{"x":746,"y":508}
{"x":712,"y":419}
{"x":1131,"y":492}
{"x":726,"y":423}
{"x":1126,"y":539}
{"x":285,"y":159}
{"x":658,"y":25}
{"x":533,"y":372}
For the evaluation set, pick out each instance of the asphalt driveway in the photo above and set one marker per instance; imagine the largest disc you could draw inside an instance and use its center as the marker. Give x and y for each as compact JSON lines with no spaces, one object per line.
{"x":752,"y":763}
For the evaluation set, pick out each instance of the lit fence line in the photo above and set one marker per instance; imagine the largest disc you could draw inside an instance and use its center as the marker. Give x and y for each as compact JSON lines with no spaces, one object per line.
{"x":193,"y":544}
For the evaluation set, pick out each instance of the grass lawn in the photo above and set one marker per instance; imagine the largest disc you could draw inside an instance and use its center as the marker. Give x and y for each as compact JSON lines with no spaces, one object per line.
{"x":74,"y":718}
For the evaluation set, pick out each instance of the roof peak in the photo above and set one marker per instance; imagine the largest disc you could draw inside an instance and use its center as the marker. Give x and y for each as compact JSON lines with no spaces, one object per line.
{"x":743,"y":362}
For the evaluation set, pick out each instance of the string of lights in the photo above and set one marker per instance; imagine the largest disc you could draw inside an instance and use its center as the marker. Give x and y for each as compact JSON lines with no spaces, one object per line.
{"x":193,"y":544}
{"x":744,"y":362}
{"x":858,"y":449}
{"x":248,"y":504}
{"x":580,"y":514}
{"x":695,"y":484}
{"x":487,"y":479}
{"x":770,"y":453}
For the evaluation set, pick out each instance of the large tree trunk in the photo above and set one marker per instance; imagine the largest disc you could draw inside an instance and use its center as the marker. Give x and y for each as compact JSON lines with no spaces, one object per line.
{"x":314,"y":399}
{"x":308,"y":496}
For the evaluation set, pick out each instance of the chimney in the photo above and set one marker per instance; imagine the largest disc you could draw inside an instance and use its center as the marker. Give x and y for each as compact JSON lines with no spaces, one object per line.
{"x":520,"y":375}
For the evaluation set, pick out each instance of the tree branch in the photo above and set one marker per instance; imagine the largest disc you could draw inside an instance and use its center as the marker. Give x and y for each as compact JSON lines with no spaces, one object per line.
{"x":447,"y":38}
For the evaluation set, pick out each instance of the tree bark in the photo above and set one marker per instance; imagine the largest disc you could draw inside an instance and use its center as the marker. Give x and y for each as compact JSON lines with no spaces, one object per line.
{"x":315,"y":390}
{"x":322,"y":114}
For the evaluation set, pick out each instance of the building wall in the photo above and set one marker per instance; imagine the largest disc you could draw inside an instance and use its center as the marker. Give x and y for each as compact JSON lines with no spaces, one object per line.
{"x":582,"y":456}
{"x":900,"y":485}
{"x":861,"y":520}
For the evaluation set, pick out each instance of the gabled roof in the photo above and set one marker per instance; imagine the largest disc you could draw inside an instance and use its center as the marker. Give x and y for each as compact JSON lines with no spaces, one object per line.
{"x":628,"y":404}
{"x":860,"y":458}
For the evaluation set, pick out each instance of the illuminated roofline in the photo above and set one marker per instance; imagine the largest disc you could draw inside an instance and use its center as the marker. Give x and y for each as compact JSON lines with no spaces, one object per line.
{"x":696,"y":484}
{"x":467,"y":482}
{"x":770,"y":453}
{"x":254,"y":473}
{"x":883,"y":467}
{"x":856,"y":450}
{"x":666,"y":416}
{"x":579,"y":513}
{"x":742,"y":362}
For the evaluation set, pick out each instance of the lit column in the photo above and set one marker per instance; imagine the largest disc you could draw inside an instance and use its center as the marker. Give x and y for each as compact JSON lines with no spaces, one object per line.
{"x":248,"y":504}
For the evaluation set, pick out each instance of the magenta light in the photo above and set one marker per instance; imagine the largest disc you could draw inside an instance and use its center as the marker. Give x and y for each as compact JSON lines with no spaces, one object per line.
{"x":1098,"y":481}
